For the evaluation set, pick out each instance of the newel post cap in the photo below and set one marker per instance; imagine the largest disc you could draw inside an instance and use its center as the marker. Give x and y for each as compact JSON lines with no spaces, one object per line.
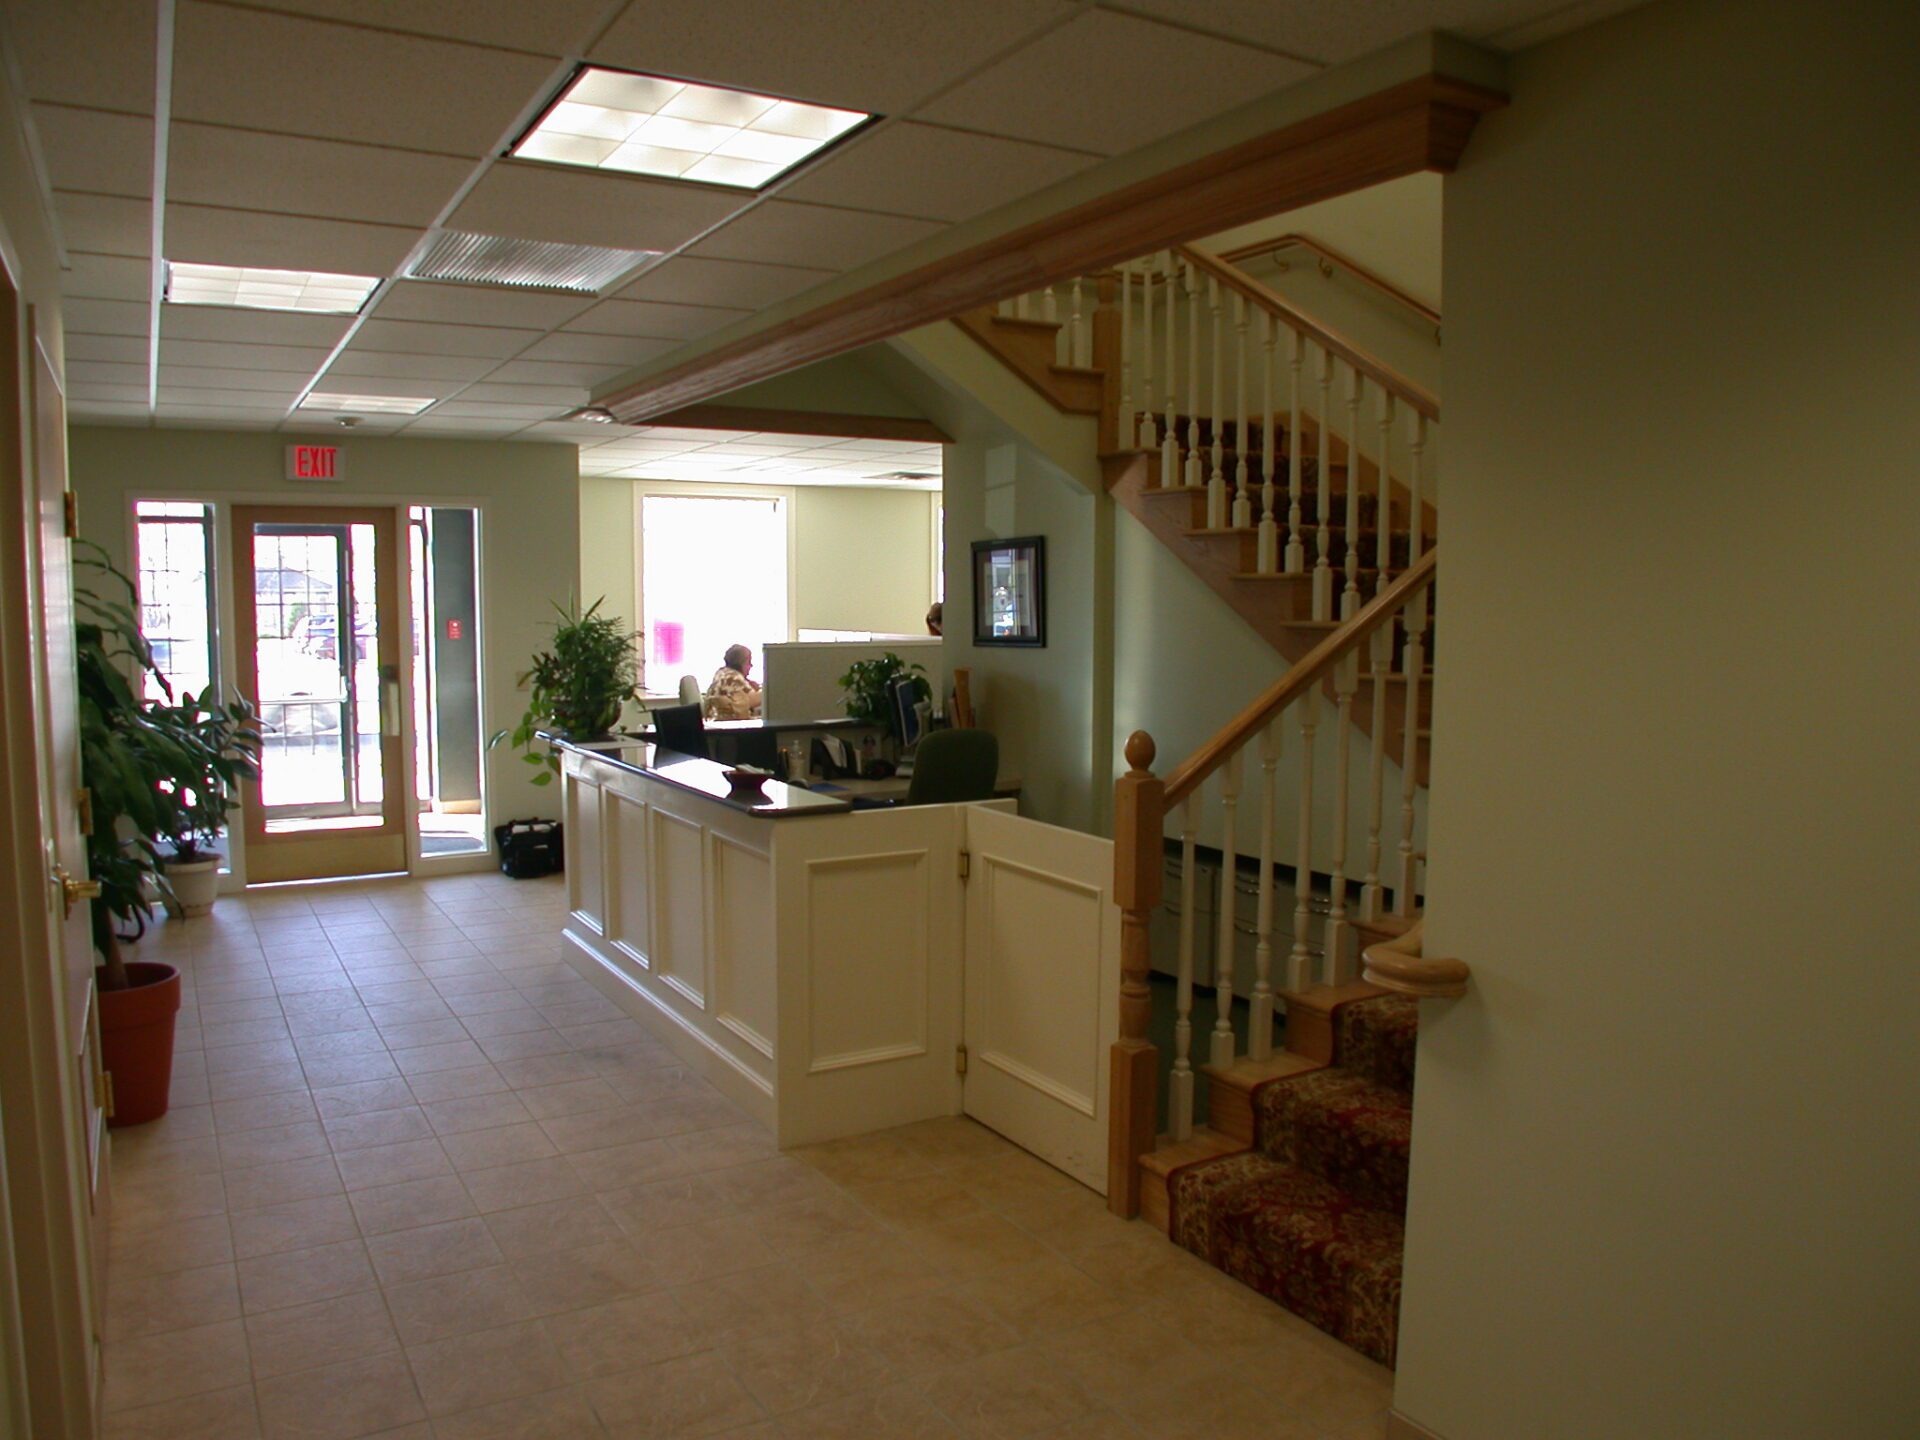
{"x":1140,"y":752}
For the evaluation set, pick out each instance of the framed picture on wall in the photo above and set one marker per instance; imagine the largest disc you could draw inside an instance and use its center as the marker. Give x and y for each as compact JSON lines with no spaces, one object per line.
{"x":1010,"y":591}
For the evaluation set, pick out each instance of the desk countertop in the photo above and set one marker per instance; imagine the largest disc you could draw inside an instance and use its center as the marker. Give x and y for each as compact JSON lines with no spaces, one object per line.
{"x":703,"y":777}
{"x":738,"y":727}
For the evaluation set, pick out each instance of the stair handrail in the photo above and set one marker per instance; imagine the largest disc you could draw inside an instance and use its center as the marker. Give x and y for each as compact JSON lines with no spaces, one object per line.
{"x":1406,"y":391}
{"x":1331,"y":258}
{"x":1399,"y":965}
{"x":1313,"y":668}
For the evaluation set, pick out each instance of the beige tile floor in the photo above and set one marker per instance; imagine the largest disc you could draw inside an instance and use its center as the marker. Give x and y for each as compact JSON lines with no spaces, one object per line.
{"x":421,"y":1181}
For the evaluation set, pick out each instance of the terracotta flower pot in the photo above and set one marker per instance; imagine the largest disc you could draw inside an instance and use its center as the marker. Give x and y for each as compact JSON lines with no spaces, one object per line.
{"x":136,"y":1041}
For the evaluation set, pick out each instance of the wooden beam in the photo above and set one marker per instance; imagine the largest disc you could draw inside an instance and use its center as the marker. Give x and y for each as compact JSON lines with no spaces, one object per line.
{"x":1421,"y":124}
{"x":760,"y":419}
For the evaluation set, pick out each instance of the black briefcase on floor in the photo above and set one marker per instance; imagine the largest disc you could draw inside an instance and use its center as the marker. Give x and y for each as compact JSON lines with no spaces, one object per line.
{"x":530,"y":848}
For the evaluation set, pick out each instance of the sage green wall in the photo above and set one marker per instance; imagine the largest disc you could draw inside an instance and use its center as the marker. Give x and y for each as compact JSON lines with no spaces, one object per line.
{"x":863,"y":559}
{"x":606,"y":546}
{"x":1665,"y":1171}
{"x":528,"y":496}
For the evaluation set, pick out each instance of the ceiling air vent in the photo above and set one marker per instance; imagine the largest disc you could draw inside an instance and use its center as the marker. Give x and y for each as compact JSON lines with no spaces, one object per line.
{"x":523,"y":264}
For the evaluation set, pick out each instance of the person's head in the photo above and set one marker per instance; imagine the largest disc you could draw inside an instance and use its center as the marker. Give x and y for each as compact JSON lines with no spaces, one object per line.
{"x":739,"y":657}
{"x":934,"y":617}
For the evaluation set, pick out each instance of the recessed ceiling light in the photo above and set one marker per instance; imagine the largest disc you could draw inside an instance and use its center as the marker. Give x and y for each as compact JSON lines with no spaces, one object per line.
{"x":313,"y":291}
{"x":646,"y":125}
{"x":372,"y":404}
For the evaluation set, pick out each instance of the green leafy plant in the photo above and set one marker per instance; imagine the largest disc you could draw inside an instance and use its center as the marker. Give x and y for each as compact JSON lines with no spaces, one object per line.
{"x":153,"y":769}
{"x":868,"y":684}
{"x":577,"y":687}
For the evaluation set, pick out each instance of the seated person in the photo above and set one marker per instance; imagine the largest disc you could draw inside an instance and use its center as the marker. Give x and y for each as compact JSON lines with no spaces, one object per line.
{"x":730,"y":694}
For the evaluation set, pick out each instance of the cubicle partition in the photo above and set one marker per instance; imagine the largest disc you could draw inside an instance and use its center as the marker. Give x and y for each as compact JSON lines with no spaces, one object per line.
{"x":802,"y":679}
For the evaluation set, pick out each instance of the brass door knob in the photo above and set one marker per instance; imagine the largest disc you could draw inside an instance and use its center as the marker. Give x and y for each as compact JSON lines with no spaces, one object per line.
{"x":73,"y":891}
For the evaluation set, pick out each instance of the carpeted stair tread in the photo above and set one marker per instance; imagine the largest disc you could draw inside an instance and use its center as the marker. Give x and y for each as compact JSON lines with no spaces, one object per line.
{"x":1292,"y":1235}
{"x":1342,"y":1127}
{"x":1377,"y":1038}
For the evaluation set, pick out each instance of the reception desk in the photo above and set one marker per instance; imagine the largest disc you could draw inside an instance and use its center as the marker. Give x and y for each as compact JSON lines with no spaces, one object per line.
{"x":795,"y":951}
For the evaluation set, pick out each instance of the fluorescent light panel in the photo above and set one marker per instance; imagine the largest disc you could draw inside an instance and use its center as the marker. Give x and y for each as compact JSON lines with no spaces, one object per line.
{"x":371,"y":404}
{"x":311,"y":291}
{"x":645,"y":125}
{"x":523,"y":264}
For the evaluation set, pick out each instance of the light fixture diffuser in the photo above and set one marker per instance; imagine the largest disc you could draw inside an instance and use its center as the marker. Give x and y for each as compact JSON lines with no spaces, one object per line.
{"x":313,"y":292}
{"x":371,"y":404}
{"x":472,"y":259}
{"x":647,"y":125}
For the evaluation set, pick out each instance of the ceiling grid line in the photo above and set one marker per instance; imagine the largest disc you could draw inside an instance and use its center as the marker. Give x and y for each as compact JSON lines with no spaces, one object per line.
{"x":157,"y":268}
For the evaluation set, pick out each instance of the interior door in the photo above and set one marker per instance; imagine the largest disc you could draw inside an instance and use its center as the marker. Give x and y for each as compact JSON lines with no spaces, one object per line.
{"x":1042,"y":987}
{"x":319,"y":631}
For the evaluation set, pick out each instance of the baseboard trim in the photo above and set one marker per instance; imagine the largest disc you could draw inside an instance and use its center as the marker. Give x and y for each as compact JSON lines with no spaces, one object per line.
{"x":1399,"y":1427}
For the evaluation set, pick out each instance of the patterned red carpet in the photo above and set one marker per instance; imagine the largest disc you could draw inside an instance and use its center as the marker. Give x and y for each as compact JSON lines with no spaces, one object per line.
{"x":1313,"y":1214}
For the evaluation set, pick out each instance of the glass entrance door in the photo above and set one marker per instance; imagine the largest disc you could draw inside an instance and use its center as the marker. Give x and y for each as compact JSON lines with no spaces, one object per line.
{"x":316,"y":598}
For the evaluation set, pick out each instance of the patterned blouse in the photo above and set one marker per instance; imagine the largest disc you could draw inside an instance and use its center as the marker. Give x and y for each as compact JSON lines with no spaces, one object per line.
{"x":730,"y":695}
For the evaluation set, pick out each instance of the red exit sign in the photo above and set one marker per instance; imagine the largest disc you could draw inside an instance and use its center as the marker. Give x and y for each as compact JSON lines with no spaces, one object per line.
{"x":313,"y":462}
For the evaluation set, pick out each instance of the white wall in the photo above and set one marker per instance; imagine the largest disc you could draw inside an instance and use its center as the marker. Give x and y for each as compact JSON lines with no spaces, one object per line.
{"x":1666,"y":1171}
{"x":529,"y":531}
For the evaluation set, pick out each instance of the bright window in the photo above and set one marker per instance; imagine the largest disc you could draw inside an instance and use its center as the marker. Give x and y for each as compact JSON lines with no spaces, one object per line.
{"x":713,"y":573}
{"x":174,"y":565}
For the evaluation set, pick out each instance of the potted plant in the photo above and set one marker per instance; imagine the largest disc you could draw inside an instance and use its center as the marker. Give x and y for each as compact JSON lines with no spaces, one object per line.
{"x":577,"y":688}
{"x":869,"y":686}
{"x":215,"y":749}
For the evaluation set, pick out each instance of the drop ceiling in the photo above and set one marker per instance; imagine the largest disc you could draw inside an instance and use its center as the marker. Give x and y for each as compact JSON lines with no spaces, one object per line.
{"x":336,"y":134}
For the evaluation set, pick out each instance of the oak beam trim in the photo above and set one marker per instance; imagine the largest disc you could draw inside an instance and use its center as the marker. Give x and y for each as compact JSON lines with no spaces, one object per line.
{"x":1421,"y":124}
{"x":759,"y":419}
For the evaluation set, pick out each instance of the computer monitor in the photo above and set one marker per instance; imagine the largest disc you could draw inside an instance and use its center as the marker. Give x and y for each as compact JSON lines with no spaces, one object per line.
{"x":678,"y":727}
{"x":908,"y":719}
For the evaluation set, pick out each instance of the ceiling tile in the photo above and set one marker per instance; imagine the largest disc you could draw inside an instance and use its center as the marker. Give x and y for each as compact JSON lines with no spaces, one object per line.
{"x":201,"y":397}
{"x":107,"y":277}
{"x":106,"y":412}
{"x":414,"y":337}
{"x":333,"y":383}
{"x":308,"y":77}
{"x":583,"y":374}
{"x":434,"y":423}
{"x":1331,"y":34}
{"x":653,"y":319}
{"x":106,"y":372}
{"x":592,"y":207}
{"x":104,"y":224}
{"x":692,"y":280}
{"x":289,"y":174}
{"x":875,"y":55}
{"x":217,"y":355}
{"x":96,"y":150}
{"x":1100,"y":83}
{"x":497,"y":410}
{"x":933,"y":172}
{"x":200,"y":377}
{"x":354,"y":361}
{"x":250,"y":327}
{"x":104,"y":317}
{"x":553,"y":27}
{"x":117,"y":394}
{"x":206,"y":415}
{"x":480,"y":305}
{"x":569,"y":396}
{"x":817,"y":235}
{"x":215,"y":236}
{"x":88,"y":52}
{"x":129,"y":348}
{"x":623,"y":351}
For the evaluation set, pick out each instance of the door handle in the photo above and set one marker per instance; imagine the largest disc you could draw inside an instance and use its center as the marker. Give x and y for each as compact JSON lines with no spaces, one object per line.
{"x":73,"y":891}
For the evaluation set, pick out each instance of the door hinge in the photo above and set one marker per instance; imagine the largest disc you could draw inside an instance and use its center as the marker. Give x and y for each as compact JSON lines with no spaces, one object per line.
{"x":959,"y":1059}
{"x":71,"y":500}
{"x":83,"y":802}
{"x":966,"y":863}
{"x":106,"y":1092}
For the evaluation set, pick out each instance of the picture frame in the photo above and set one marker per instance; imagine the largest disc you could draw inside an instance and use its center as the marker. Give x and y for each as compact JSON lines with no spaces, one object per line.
{"x":1010,"y":591}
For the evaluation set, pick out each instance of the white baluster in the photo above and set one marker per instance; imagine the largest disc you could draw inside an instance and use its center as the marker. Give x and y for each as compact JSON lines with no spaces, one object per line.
{"x":1216,"y":477}
{"x":1170,"y":444}
{"x":1125,"y":427}
{"x":1268,"y":545}
{"x":1380,"y":655}
{"x":1147,"y":438}
{"x":1296,"y":559}
{"x":1350,"y":597}
{"x":1242,"y":489}
{"x":1195,"y":465}
{"x":1323,"y":561}
{"x":1076,"y":322}
{"x":1020,"y":307}
{"x":1300,"y":962}
{"x":1383,"y":521}
{"x":1260,"y":1003}
{"x":1415,"y":619}
{"x":1346,"y":680}
{"x":1180,"y":1084}
{"x":1416,"y":457}
{"x":1222,"y":1053}
{"x":1049,"y":306}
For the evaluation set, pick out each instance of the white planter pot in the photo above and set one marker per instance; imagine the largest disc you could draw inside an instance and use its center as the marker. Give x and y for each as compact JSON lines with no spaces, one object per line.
{"x":196,"y":884}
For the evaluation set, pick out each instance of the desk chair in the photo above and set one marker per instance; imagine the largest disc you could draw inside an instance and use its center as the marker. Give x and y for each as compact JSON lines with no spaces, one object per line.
{"x":679,"y":727}
{"x":951,"y":766}
{"x":690,"y":690}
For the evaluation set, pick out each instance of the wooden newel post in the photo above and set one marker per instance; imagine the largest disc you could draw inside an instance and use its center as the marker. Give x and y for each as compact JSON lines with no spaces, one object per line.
{"x":1140,"y":802}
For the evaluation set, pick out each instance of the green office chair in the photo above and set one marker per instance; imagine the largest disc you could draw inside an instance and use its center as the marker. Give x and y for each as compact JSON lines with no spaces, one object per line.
{"x":950,"y":766}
